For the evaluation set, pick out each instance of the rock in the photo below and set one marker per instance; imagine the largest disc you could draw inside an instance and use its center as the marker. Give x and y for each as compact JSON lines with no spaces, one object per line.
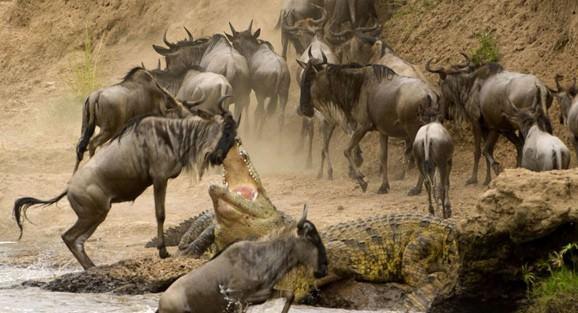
{"x":275,"y":306}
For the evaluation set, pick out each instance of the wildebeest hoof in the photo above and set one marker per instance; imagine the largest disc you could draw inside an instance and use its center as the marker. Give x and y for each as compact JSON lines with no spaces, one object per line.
{"x":163,"y":253}
{"x":414,"y":191}
{"x":362,"y":183}
{"x":497,"y":167}
{"x":383,"y":189}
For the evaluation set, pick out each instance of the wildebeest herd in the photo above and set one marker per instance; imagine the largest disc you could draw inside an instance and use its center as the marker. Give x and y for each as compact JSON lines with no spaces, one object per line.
{"x":154,"y":123}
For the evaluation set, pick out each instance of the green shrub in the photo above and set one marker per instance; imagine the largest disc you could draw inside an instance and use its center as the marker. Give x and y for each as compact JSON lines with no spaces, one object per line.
{"x":487,"y":51}
{"x":84,"y":75}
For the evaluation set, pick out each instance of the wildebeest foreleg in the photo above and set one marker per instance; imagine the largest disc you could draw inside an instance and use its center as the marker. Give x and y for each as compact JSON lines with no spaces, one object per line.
{"x":489,"y":155}
{"x":289,"y":298}
{"x":477,"y":132}
{"x":358,"y":134}
{"x":160,"y":191}
{"x":91,"y":211}
{"x":326,"y":129}
{"x":384,"y":146}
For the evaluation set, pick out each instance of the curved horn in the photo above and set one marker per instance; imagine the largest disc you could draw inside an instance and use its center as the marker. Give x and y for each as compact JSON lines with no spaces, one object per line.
{"x":142,"y":65}
{"x":250,"y":26}
{"x":309,"y":53}
{"x":323,"y":17}
{"x":161,"y":50}
{"x":170,"y":45}
{"x":303,"y":217}
{"x":221,"y":103}
{"x":467,"y":62}
{"x":193,"y":103}
{"x":189,"y":34}
{"x":558,"y":78}
{"x":428,"y":67}
{"x":232,"y":29}
{"x":340,"y":35}
{"x":324,"y":57}
{"x":369,"y":29}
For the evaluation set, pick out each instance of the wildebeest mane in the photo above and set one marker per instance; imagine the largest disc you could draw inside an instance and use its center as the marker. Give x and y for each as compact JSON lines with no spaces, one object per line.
{"x":131,"y":72}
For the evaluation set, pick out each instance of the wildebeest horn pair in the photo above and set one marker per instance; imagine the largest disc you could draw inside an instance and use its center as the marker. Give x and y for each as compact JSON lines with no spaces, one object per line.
{"x":322,"y":54}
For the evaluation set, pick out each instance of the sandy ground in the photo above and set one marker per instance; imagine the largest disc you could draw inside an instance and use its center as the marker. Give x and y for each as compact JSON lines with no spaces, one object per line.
{"x":40,"y":125}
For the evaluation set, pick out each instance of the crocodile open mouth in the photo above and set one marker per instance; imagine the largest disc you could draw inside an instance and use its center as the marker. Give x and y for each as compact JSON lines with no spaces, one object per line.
{"x":242,"y":187}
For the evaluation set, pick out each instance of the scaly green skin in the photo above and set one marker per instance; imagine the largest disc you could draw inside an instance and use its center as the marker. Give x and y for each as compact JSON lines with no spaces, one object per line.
{"x":419,"y":251}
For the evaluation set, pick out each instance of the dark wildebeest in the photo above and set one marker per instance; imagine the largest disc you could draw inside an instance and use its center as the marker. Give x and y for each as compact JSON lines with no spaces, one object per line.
{"x":246,"y":272}
{"x":433,"y":151}
{"x":110,"y":108}
{"x":319,"y":49}
{"x":481,"y":94}
{"x":568,"y":98}
{"x":216,"y":55}
{"x":295,"y":16}
{"x":542,"y":151}
{"x":197,"y":89}
{"x":268,"y":71}
{"x":367,"y":98}
{"x":149,"y":151}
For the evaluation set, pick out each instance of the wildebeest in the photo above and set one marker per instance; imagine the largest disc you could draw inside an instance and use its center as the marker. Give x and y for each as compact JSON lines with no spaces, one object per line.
{"x":269,"y":73}
{"x":481,"y":94}
{"x":197,"y":89}
{"x":542,"y":151}
{"x":217,"y":55}
{"x":568,"y":99}
{"x":246,"y":272}
{"x":433,"y":150}
{"x":296,"y":20}
{"x":149,"y":151}
{"x":110,"y":108}
{"x":367,"y":98}
{"x":317,"y":50}
{"x":358,"y":14}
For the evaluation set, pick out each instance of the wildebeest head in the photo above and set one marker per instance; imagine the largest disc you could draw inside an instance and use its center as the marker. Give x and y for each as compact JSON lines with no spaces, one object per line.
{"x":310,"y":71}
{"x":458,"y":83}
{"x":314,"y":249}
{"x":301,"y":31}
{"x":363,"y":48}
{"x":227,"y":139}
{"x":183,"y":53}
{"x":246,"y":42}
{"x":565,"y":96}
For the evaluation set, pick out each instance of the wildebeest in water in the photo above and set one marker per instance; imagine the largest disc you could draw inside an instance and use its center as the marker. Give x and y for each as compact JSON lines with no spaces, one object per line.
{"x":246,"y":272}
{"x":149,"y":151}
{"x":110,"y":108}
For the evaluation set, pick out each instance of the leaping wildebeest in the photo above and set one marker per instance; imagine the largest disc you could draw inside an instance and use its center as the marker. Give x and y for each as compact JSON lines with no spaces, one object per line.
{"x":110,"y":108}
{"x":367,"y":98}
{"x":216,"y":55}
{"x":246,"y":272}
{"x":481,"y":94}
{"x":149,"y":151}
{"x":269,"y":73}
{"x":568,"y":99}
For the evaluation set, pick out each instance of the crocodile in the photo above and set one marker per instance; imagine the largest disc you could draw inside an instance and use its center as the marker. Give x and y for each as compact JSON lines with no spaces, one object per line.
{"x":419,"y":251}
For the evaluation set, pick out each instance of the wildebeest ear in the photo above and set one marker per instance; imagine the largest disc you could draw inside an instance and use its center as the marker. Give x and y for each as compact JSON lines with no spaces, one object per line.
{"x":257,"y":33}
{"x":302,"y":64}
{"x":160,"y":50}
{"x":230,"y":37}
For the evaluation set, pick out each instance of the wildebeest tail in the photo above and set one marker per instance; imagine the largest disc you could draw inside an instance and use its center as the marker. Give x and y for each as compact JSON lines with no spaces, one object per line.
{"x":22,"y":204}
{"x":86,"y":132}
{"x":428,"y":165}
{"x":541,"y":103}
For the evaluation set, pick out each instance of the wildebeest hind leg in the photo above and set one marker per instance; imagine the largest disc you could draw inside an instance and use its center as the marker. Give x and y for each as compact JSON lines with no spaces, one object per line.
{"x":327,"y":129}
{"x":477,"y":154}
{"x":98,"y":141}
{"x":383,"y":141}
{"x":518,"y":143}
{"x":88,"y":220}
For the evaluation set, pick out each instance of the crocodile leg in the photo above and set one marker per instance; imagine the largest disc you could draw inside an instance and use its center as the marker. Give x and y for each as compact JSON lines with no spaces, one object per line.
{"x":197,"y":227}
{"x":201,"y":244}
{"x":173,"y":235}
